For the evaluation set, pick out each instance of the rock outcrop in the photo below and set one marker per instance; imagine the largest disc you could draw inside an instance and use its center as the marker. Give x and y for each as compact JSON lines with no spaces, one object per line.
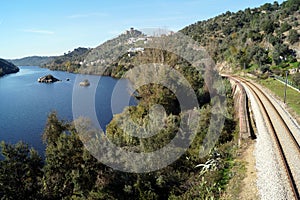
{"x":84,"y":83}
{"x":47,"y":79}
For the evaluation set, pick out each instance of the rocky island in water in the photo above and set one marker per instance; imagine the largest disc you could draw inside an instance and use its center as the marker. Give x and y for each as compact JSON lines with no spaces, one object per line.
{"x":48,"y":79}
{"x":84,"y":83}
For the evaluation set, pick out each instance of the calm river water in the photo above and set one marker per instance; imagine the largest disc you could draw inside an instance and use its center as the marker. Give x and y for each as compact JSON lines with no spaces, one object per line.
{"x":25,"y":103}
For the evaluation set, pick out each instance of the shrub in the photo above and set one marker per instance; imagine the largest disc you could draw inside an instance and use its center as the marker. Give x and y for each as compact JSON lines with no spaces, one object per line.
{"x":296,"y":79}
{"x":293,"y":36}
{"x":285,"y":27}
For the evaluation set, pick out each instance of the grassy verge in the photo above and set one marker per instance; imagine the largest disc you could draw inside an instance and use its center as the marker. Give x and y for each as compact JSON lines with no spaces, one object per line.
{"x":292,"y":97}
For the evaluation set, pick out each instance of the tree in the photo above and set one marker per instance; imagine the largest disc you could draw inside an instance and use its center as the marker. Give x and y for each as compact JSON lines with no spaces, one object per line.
{"x":20,"y":172}
{"x":274,"y":40}
{"x":292,"y":5}
{"x":285,"y":27}
{"x":276,"y":5}
{"x":70,"y":170}
{"x":293,"y":36}
{"x":254,"y":35}
{"x":267,"y":7}
{"x":268,"y":26}
{"x":53,"y":129}
{"x":243,"y":59}
{"x":282,"y":53}
{"x":260,"y":56}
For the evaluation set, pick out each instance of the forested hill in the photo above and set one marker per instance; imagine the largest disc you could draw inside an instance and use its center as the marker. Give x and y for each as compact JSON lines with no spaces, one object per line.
{"x":259,"y":38}
{"x":70,"y":61}
{"x":7,"y":67}
{"x":32,"y":60}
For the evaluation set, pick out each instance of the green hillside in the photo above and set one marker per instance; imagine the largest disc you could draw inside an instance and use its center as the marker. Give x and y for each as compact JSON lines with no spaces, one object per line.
{"x":259,"y":38}
{"x":7,"y":67}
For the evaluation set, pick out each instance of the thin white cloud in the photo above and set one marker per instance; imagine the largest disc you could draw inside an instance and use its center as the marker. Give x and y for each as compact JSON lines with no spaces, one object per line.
{"x":87,"y":15}
{"x":38,"y":31}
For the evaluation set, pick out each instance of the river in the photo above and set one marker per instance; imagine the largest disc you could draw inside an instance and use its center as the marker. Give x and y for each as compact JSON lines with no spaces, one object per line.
{"x":25,"y":103}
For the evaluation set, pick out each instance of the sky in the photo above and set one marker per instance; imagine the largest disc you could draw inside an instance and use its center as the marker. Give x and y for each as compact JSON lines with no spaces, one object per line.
{"x":47,"y":28}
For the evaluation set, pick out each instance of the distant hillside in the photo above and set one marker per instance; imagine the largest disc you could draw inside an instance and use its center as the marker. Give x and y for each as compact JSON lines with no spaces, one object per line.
{"x":7,"y":67}
{"x":109,"y":52}
{"x":261,"y":38}
{"x":32,"y":61}
{"x":70,"y":61}
{"x":86,"y":60}
{"x":258,"y":40}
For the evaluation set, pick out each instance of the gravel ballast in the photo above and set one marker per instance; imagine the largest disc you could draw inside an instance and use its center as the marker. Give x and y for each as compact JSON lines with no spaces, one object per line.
{"x":271,"y":178}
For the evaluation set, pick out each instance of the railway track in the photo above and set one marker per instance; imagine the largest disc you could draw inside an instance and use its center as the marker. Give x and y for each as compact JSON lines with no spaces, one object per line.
{"x":285,"y":139}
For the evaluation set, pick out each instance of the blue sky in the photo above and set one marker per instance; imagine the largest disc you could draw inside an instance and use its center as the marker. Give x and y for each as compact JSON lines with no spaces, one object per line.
{"x":37,"y":27}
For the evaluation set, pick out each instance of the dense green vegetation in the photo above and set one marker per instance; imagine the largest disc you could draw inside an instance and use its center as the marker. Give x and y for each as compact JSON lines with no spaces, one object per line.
{"x":254,"y":39}
{"x":7,"y":67}
{"x":69,"y":171}
{"x":20,"y":172}
{"x":32,"y":60}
